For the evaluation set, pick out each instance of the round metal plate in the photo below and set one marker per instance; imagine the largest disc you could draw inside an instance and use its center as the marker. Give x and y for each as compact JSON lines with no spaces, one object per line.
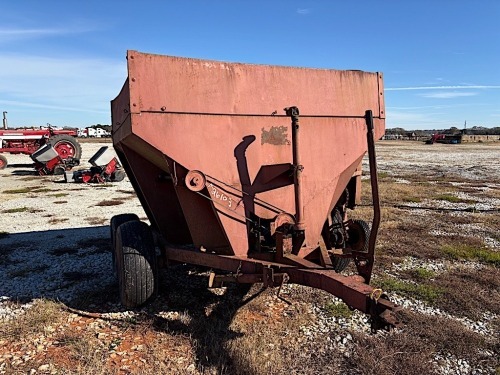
{"x":195,"y":180}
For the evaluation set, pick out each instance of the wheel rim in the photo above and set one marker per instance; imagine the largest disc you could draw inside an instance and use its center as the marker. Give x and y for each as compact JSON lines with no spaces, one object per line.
{"x":65,"y":149}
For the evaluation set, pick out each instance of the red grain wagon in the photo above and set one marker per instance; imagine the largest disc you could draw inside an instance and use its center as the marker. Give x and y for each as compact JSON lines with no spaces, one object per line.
{"x":250,"y":170}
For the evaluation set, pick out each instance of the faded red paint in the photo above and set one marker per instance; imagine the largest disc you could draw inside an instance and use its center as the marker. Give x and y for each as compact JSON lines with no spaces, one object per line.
{"x":226,"y":120}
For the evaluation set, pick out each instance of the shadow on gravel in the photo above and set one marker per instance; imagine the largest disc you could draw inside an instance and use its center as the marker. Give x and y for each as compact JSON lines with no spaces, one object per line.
{"x":27,"y":165}
{"x":24,"y":172}
{"x":74,"y":266}
{"x":208,"y":314}
{"x":56,"y":264}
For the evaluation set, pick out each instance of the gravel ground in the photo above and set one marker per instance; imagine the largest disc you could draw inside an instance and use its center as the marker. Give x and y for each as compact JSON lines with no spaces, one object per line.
{"x":54,"y":239}
{"x":57,"y":245}
{"x":474,"y":161}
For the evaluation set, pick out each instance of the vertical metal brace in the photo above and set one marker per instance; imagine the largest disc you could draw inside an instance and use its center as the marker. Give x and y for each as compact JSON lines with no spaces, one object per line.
{"x":300,"y":226}
{"x":365,"y":264}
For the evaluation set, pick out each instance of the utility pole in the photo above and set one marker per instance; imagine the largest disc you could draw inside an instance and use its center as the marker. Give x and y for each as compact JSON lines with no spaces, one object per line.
{"x":5,"y":126}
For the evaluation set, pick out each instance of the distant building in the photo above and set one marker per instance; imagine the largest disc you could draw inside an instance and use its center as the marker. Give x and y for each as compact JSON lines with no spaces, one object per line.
{"x":480,"y":138}
{"x":93,"y":132}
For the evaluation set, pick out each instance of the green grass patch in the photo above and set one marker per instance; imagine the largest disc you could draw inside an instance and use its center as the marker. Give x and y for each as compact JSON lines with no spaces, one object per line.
{"x":18,"y":191}
{"x":338,"y":310}
{"x":468,"y":252}
{"x":41,"y":190}
{"x":14,"y":210}
{"x":423,"y":273}
{"x":383,"y":175}
{"x":423,"y":292}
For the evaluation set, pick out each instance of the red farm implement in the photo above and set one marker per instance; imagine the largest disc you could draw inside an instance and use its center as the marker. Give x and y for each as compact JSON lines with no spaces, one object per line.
{"x":250,"y":170}
{"x":105,"y":168}
{"x":28,"y":142}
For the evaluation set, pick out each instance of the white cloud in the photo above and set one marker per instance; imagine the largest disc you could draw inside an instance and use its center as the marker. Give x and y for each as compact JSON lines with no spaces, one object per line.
{"x":29,"y":32}
{"x":458,"y":87}
{"x":448,"y":94}
{"x":15,"y":34}
{"x":303,"y":11}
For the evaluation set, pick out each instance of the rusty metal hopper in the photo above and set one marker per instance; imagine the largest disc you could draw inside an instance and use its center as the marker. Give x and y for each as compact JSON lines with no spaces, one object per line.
{"x":233,"y":158}
{"x":176,"y":115}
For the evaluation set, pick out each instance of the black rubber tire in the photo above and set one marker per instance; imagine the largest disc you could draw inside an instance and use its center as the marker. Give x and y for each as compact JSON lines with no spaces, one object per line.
{"x":118,"y":175}
{"x":136,"y":264}
{"x":59,"y":170}
{"x":339,"y":264}
{"x":3,"y":162}
{"x":114,"y":223}
{"x":359,"y":235}
{"x":64,"y":138}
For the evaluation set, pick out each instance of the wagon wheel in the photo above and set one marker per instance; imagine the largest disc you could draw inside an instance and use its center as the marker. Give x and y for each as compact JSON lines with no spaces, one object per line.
{"x":66,"y":146}
{"x":3,"y":162}
{"x":136,"y":264}
{"x":359,"y":235}
{"x":59,"y":170}
{"x":337,"y":240}
{"x":115,"y":222}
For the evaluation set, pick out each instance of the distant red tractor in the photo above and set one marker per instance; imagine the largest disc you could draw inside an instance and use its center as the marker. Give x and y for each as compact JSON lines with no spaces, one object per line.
{"x":29,"y":141}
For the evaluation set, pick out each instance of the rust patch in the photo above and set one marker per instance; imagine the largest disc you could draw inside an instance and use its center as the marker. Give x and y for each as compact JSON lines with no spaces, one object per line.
{"x":277,"y":135}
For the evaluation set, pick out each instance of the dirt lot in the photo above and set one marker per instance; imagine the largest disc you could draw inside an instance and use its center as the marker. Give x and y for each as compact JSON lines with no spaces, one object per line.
{"x":438,"y":255}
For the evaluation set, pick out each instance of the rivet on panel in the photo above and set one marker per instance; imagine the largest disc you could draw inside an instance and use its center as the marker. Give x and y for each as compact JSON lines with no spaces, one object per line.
{"x":133,"y":79}
{"x":163,"y":108}
{"x":134,"y":105}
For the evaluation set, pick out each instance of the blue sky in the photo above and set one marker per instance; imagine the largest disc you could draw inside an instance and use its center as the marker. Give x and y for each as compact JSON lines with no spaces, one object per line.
{"x":61,"y":62}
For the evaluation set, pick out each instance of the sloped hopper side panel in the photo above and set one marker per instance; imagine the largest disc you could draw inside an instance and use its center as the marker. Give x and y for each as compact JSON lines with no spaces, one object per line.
{"x":227,"y":121}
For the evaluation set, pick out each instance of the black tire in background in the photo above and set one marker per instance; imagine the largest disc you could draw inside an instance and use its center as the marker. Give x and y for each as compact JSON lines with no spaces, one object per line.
{"x":66,"y":146}
{"x":339,"y":264}
{"x":118,"y":175}
{"x":359,"y":235}
{"x":115,"y":222}
{"x":136,"y":264}
{"x":3,"y":162}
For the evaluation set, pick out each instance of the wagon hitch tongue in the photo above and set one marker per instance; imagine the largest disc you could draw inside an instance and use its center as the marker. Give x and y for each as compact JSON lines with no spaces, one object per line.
{"x":354,"y":292}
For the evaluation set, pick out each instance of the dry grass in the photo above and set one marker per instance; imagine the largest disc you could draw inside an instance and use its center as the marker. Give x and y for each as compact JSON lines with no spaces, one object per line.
{"x":58,"y":195}
{"x":411,"y":350}
{"x":34,"y":320}
{"x":57,"y":220}
{"x":113,"y":202}
{"x":18,"y":191}
{"x":96,"y":220}
{"x":468,"y":292}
